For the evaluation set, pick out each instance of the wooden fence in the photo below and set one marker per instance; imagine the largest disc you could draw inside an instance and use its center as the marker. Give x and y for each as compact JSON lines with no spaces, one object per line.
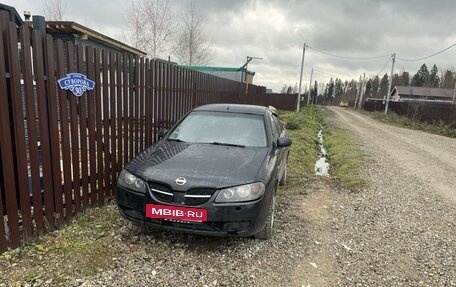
{"x":432,"y":112}
{"x":59,"y":153}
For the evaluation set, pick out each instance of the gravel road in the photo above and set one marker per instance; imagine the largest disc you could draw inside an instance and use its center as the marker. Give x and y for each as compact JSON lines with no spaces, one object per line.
{"x":399,"y":231}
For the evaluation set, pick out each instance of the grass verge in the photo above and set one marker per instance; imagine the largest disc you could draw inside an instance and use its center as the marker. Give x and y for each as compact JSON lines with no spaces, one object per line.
{"x":440,"y":127}
{"x":82,"y":249}
{"x":303,"y":128}
{"x":344,"y":155}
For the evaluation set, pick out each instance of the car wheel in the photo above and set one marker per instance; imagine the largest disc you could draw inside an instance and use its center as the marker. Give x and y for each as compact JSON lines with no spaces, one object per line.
{"x":283,"y":180}
{"x":266,"y":232}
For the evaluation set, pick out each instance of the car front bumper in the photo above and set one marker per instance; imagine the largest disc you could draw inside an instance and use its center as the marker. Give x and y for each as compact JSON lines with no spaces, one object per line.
{"x":224,"y":219}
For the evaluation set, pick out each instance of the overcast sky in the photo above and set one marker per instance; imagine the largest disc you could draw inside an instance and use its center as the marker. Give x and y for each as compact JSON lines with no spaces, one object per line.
{"x":276,"y":31}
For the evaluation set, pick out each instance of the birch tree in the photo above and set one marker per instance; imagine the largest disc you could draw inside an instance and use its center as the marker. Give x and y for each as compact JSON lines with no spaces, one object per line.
{"x":193,"y":46}
{"x":151,"y":27}
{"x":54,"y":10}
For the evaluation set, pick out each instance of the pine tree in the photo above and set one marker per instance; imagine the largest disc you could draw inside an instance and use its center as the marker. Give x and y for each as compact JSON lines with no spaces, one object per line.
{"x":404,"y":79}
{"x":383,"y":86}
{"x":434,"y":79}
{"x":448,"y":79}
{"x":421,"y":77}
{"x":375,"y":86}
{"x":396,"y":81}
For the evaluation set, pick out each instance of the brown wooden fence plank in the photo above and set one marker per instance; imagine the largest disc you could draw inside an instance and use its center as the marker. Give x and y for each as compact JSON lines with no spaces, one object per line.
{"x":6,"y":144}
{"x":126,"y":110}
{"x":132,"y":107}
{"x":137,"y":83}
{"x":19,"y":133}
{"x":44,"y":129}
{"x":74,"y":135}
{"x":105,"y":120}
{"x":91,"y":95}
{"x":49,"y":123}
{"x":99,"y":128}
{"x":31,"y":128}
{"x":82,"y":105}
{"x":120,"y":128}
{"x":147,"y":104}
{"x":65,"y":137}
{"x":169,"y":95}
{"x":156,"y":86}
{"x":4,"y":133}
{"x":142,"y":117}
{"x":113,"y":120}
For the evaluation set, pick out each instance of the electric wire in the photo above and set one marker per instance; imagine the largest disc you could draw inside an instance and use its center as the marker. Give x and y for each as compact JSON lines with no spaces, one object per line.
{"x":427,"y":57}
{"x":384,"y":66}
{"x":347,"y":58}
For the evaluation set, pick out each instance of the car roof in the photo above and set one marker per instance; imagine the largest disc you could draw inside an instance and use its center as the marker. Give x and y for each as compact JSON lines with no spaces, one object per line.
{"x":234,"y":108}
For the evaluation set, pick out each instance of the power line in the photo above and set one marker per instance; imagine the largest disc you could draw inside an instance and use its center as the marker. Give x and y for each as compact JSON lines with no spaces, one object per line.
{"x":348,"y":58}
{"x":384,"y":66}
{"x":427,"y":57}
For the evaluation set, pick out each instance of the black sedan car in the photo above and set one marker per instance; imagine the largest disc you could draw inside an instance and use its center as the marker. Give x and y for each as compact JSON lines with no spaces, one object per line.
{"x":215,"y":172}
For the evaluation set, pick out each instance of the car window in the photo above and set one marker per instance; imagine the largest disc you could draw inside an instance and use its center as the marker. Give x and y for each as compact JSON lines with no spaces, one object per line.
{"x":230,"y":128}
{"x":278,"y":124}
{"x":275,"y":130}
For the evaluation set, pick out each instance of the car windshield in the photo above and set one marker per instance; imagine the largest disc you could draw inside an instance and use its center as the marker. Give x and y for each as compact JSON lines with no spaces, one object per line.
{"x":222,"y":128}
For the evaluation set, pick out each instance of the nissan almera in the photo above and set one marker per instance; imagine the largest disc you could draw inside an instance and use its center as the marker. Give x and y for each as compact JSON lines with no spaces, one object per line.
{"x":216,"y":172}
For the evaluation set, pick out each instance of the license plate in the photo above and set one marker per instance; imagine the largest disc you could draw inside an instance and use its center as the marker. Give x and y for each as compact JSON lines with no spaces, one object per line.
{"x":169,"y":212}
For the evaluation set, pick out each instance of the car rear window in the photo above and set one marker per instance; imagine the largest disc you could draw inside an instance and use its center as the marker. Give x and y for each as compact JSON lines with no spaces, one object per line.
{"x":230,"y":128}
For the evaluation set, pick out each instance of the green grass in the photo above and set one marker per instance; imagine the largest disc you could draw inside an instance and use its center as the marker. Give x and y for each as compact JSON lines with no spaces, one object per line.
{"x":344,"y":155}
{"x":81,"y":249}
{"x":303,"y":154}
{"x":439,"y":127}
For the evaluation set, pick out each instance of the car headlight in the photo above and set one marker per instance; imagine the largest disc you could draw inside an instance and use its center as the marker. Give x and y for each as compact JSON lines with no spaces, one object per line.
{"x":240,"y":193}
{"x":132,"y":182}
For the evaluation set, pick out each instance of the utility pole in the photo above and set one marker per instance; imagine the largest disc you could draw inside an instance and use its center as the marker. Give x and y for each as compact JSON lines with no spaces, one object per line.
{"x":361,"y":91}
{"x":357,"y":94}
{"x":389,"y":85}
{"x":310,"y":86}
{"x":300,"y":78}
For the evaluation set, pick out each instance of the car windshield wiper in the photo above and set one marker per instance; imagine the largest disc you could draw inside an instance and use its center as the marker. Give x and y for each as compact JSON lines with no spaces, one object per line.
{"x":227,"y":144}
{"x":176,"y":140}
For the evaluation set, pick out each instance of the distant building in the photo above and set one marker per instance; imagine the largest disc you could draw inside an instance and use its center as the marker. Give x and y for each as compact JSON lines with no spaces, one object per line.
{"x":81,"y":35}
{"x":417,"y":94}
{"x":236,"y":74}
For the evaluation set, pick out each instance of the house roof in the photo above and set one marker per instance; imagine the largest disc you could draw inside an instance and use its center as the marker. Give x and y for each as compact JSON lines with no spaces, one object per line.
{"x":423,"y":92}
{"x":73,"y":27}
{"x":217,"y":69}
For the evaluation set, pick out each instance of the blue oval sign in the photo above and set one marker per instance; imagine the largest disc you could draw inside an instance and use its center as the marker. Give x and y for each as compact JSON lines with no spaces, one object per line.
{"x":76,"y":83}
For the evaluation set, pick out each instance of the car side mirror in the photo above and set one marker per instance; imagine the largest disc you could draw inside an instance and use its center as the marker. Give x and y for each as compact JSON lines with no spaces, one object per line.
{"x":162,"y":133}
{"x":284,"y":142}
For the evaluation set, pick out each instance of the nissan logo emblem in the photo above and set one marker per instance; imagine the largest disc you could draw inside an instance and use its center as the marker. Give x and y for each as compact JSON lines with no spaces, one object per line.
{"x":181,"y":181}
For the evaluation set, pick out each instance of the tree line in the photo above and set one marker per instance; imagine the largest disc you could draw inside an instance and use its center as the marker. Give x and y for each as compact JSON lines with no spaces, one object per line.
{"x":337,"y":90}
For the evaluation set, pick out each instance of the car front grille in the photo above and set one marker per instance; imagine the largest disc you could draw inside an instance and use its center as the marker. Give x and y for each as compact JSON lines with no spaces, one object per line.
{"x":191,"y":197}
{"x":198,"y":196}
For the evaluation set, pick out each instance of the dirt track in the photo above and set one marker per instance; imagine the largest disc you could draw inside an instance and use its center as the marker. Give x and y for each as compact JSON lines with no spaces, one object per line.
{"x":400,"y":230}
{"x":430,"y":157}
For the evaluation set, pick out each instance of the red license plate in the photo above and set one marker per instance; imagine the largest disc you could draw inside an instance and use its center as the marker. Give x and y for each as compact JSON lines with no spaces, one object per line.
{"x":170,"y":212}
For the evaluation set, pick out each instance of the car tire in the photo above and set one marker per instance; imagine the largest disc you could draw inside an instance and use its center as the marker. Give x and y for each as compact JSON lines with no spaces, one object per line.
{"x":266,"y":232}
{"x":283,"y":180}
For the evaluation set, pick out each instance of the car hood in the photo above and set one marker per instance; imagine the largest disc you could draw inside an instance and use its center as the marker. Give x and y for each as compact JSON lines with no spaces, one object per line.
{"x":202,"y":165}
